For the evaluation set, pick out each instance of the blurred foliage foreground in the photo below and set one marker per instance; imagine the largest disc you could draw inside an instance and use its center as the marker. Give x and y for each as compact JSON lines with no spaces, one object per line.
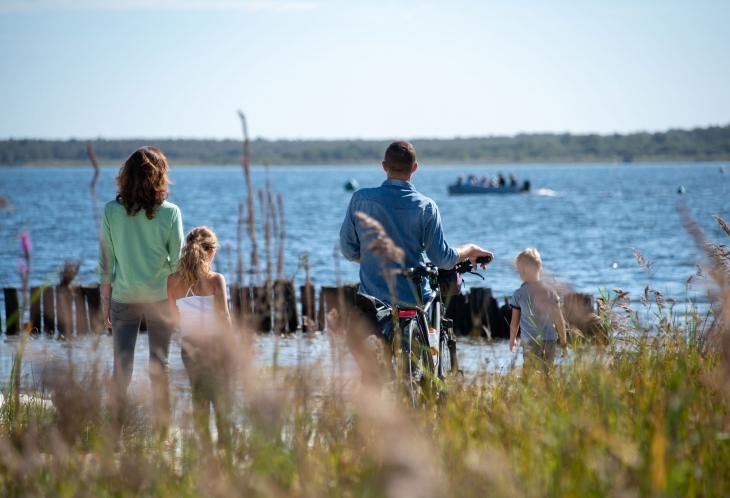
{"x":645,"y":416}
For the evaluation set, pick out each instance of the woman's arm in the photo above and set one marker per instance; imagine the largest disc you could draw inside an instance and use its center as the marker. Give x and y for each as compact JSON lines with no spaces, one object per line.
{"x":171,"y":294}
{"x":177,"y":237}
{"x":106,"y":303}
{"x":105,"y":267}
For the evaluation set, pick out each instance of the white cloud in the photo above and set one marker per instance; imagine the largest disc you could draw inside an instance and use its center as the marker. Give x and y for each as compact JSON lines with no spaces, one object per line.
{"x":7,"y":6}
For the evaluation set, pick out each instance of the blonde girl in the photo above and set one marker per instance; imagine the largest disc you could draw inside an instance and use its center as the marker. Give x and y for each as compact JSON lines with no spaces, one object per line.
{"x":199,"y":305}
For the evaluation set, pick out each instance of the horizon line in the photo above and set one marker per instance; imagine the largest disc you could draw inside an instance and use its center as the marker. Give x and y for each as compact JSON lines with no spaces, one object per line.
{"x":380,"y":139}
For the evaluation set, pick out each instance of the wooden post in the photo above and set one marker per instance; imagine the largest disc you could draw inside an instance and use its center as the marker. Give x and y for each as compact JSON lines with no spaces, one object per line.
{"x":576,"y":308}
{"x":244,"y":294}
{"x":329,"y":302}
{"x":241,"y":307}
{"x":479,"y":298}
{"x":578,"y":313}
{"x":321,"y":325}
{"x":12,"y":310}
{"x":92,"y":294}
{"x":82,"y":322}
{"x":349,"y":292}
{"x":35,"y":308}
{"x":279,"y":323}
{"x":235,"y":298}
{"x":49,"y":311}
{"x":290,"y":310}
{"x":497,"y":325}
{"x":262,"y":307}
{"x":337,"y":303}
{"x":285,"y":303}
{"x":505,"y":315}
{"x":64,"y":310}
{"x":308,"y":308}
{"x":457,"y":309}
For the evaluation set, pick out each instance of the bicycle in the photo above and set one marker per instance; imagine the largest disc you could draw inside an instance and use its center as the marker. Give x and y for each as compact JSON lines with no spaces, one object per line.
{"x":426,"y":366}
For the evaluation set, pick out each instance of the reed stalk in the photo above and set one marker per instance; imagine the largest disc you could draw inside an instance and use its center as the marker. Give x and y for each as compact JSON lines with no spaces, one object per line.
{"x":92,"y":186}
{"x":281,"y":237}
{"x":245,"y":162}
{"x":239,"y":246}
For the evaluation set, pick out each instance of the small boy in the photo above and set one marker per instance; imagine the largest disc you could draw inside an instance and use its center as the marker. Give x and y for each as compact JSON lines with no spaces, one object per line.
{"x":536,"y":310}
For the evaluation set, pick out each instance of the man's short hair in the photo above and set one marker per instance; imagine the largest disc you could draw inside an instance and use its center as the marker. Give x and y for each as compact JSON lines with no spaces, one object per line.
{"x":400,"y":157}
{"x":529,"y":258}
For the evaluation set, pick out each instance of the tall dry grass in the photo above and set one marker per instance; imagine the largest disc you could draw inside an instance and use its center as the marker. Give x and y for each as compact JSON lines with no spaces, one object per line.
{"x":645,"y":416}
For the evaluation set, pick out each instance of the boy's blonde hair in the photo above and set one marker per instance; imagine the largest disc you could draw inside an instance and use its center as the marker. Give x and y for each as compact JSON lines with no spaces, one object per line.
{"x":529,"y":258}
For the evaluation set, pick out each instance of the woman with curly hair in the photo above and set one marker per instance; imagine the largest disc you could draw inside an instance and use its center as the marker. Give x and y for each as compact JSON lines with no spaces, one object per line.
{"x":140,"y":243}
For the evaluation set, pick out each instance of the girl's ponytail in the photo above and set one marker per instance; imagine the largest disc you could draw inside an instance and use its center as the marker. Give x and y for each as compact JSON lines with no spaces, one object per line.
{"x":194,"y":263}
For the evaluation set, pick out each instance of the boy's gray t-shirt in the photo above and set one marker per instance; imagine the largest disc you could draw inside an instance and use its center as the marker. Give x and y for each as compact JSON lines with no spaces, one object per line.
{"x":535,"y":300}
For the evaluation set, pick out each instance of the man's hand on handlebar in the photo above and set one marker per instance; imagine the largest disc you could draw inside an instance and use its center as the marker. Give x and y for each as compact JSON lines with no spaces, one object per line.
{"x":478,"y":256}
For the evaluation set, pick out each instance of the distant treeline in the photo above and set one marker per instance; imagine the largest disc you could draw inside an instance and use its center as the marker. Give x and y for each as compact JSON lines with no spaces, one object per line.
{"x":701,"y":144}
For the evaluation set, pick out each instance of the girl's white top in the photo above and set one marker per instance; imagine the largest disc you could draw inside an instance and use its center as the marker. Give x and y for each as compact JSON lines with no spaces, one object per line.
{"x":197,"y":315}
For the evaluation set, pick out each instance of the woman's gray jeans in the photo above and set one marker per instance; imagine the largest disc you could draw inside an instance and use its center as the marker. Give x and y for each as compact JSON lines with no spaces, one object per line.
{"x":126,"y":319}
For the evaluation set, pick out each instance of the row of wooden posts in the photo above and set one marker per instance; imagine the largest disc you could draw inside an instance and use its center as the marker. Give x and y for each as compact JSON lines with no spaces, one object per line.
{"x":59,"y":309}
{"x":272,"y":307}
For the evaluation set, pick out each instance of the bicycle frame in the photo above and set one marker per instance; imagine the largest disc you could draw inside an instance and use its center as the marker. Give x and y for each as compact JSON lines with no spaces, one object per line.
{"x":424,"y":367}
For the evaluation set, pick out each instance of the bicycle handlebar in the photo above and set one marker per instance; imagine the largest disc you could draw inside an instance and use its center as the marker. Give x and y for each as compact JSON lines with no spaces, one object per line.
{"x":484,"y":259}
{"x":430,"y":270}
{"x":421,"y":271}
{"x":466,"y":266}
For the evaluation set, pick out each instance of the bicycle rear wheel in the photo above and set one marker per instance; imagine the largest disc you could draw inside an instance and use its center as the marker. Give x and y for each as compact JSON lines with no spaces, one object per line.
{"x":418,"y":369}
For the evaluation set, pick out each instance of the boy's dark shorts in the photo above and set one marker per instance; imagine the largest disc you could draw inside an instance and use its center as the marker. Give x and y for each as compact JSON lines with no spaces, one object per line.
{"x":539,"y":353}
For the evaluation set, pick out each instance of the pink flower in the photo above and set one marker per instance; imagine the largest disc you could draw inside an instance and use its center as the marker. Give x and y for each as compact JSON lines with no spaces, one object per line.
{"x":22,"y":269}
{"x":25,"y":243}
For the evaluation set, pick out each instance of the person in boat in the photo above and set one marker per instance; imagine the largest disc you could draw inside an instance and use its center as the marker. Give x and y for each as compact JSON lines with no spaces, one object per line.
{"x":501,"y":180}
{"x":512,"y":180}
{"x":485,"y":181}
{"x":413,"y":222}
{"x":459,"y":180}
{"x":473,"y":180}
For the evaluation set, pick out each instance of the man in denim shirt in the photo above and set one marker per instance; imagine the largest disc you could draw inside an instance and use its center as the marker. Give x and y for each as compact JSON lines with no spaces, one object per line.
{"x":411,"y":219}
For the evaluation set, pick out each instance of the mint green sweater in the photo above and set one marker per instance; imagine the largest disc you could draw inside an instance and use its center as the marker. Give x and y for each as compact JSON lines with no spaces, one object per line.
{"x":136,"y":255}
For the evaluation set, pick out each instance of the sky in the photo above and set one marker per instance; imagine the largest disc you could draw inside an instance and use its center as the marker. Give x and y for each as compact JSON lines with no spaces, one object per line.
{"x":325,"y":69}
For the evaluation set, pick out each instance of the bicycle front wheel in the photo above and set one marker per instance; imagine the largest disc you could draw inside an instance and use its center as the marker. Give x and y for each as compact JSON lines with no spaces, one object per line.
{"x":448,"y":363}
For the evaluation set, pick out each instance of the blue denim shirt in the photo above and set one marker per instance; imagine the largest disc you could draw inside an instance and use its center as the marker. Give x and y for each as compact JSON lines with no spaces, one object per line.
{"x":412,"y":220}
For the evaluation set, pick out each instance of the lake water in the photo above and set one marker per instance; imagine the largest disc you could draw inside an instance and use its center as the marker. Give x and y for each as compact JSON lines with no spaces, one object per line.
{"x":584,"y":220}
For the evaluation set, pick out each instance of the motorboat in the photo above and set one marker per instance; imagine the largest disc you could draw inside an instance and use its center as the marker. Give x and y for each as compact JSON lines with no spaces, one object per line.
{"x":479,"y":189}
